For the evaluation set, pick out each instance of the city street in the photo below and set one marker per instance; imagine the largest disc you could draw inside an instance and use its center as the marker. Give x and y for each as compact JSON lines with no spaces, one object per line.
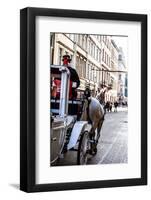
{"x":112,"y":146}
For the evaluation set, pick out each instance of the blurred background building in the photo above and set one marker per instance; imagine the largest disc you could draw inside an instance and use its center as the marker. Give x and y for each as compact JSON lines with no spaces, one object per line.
{"x":122,"y":90}
{"x":97,"y":60}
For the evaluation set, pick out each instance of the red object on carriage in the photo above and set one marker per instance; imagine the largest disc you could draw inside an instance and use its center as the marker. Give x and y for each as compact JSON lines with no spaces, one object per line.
{"x":57,"y":86}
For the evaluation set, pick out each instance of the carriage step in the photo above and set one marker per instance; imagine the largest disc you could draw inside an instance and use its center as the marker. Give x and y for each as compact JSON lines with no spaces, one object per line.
{"x":73,"y":149}
{"x":61,"y":156}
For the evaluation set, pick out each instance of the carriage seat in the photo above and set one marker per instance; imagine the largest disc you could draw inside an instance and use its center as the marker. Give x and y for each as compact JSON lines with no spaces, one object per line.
{"x":74,"y":106}
{"x":73,"y":103}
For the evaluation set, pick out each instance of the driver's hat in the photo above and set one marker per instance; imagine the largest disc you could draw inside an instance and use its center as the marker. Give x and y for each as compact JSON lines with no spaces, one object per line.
{"x":66,"y":57}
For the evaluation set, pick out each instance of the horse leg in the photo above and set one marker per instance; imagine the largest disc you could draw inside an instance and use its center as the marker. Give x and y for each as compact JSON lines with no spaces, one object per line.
{"x":92,"y":133}
{"x":84,"y":115}
{"x":99,"y":129}
{"x":92,"y":137}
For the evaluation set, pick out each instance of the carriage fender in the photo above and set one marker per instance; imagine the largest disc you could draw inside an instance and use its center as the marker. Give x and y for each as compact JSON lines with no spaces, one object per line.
{"x":78,"y":128}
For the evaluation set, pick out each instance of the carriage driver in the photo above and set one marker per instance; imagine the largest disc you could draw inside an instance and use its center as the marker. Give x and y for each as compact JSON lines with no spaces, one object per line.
{"x":73,"y":75}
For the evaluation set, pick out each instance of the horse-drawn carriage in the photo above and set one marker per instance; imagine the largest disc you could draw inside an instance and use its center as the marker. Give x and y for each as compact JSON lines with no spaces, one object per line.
{"x":70,"y":129}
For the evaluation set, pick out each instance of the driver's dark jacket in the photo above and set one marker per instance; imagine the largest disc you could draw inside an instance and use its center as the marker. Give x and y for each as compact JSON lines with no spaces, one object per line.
{"x":74,"y":77}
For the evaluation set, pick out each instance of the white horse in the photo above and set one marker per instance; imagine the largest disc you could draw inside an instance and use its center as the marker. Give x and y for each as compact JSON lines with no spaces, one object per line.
{"x":93,"y":111}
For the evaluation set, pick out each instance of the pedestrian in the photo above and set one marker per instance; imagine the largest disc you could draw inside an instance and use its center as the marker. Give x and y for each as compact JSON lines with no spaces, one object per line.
{"x":107,"y":106}
{"x":110,"y":106}
{"x":115,"y":106}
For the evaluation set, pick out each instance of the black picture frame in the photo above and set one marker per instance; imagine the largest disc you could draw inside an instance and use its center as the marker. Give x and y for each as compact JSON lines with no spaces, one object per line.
{"x":28,"y":99}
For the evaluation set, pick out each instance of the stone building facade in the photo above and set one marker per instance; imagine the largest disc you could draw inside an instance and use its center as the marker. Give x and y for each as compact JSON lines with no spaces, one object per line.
{"x":95,"y":57}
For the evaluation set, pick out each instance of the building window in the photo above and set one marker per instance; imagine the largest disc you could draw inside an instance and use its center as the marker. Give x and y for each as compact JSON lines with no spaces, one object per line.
{"x":71,"y":56}
{"x":94,"y":51}
{"x":106,"y":58}
{"x":97,"y":52}
{"x":109,"y":46}
{"x":92,"y":72}
{"x":60,"y":56}
{"x":78,"y":65}
{"x":102,"y":76}
{"x":89,"y":46}
{"x":91,"y":49}
{"x":83,"y":41}
{"x":99,"y":56}
{"x":103,"y":55}
{"x":93,"y":54}
{"x":83,"y":67}
{"x":98,"y":75}
{"x":105,"y":39}
{"x":87,"y":71}
{"x":75,"y":38}
{"x":78,"y":39}
{"x":81,"y":36}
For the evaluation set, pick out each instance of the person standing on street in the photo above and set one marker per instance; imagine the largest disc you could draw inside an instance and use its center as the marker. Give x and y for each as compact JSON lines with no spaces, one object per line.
{"x":115,"y":106}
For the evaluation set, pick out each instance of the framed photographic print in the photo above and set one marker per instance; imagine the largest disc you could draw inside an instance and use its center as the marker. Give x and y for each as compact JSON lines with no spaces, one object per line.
{"x":83,"y":99}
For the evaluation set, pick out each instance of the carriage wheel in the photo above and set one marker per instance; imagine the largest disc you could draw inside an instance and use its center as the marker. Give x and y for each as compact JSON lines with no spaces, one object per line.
{"x":83,"y":149}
